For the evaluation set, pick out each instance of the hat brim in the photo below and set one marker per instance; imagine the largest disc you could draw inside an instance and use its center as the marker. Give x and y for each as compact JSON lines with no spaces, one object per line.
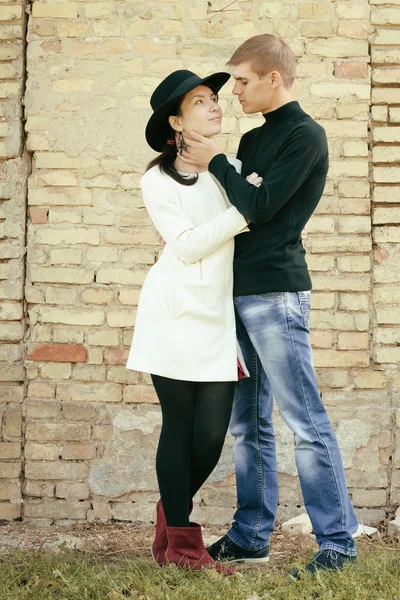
{"x":157,"y":128}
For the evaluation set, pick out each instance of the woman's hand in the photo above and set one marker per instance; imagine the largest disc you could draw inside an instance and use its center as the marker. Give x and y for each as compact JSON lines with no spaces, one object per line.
{"x":254,"y":179}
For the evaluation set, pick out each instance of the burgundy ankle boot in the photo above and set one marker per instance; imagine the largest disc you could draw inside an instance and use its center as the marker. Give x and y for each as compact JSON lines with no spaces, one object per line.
{"x":160,"y":543}
{"x":186,"y":549}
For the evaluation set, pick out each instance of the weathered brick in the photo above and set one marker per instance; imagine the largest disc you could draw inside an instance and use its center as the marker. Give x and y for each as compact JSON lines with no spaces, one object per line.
{"x":42,"y":410}
{"x":73,"y":275}
{"x":116,"y":356}
{"x":13,"y":421}
{"x":321,"y":339}
{"x":9,"y":450}
{"x":353,"y":341}
{"x":59,"y":295}
{"x":369,"y":379}
{"x":57,"y":509}
{"x":350,"y":11}
{"x":385,"y":16}
{"x":56,"y":370}
{"x":386,"y":194}
{"x":38,"y":215}
{"x":351,"y":302}
{"x":48,"y":196}
{"x":388,"y":355}
{"x":129,"y":296}
{"x":140,"y":394}
{"x":106,"y":337}
{"x":35,"y":451}
{"x":10,"y":490}
{"x":97,"y":296}
{"x":10,"y":470}
{"x":334,"y":358}
{"x":38,"y":489}
{"x":332,"y":378}
{"x":78,"y":451}
{"x":58,"y":353}
{"x":72,"y":490}
{"x":121,"y":318}
{"x":89,"y":373}
{"x":338,"y":320}
{"x":105,"y":392}
{"x":74,"y":411}
{"x":72,"y":317}
{"x":57,"y":431}
{"x":9,"y":511}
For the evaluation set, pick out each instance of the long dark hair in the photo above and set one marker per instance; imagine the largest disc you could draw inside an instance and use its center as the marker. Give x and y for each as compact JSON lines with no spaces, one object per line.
{"x":166,"y":159}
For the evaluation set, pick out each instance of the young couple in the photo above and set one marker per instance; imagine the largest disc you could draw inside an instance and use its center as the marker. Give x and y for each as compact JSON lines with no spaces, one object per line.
{"x":223,"y":317}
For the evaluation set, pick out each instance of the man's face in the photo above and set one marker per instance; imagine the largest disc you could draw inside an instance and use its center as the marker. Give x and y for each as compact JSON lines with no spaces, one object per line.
{"x":254,"y":93}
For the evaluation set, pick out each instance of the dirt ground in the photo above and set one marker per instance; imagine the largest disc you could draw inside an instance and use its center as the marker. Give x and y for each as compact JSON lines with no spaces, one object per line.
{"x":134,"y":540}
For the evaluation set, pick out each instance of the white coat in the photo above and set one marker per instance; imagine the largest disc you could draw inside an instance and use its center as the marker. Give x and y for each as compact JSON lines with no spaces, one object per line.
{"x":185,"y":324}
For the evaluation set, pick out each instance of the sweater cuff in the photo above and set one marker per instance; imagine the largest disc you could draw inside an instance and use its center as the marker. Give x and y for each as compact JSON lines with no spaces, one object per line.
{"x":218,"y":164}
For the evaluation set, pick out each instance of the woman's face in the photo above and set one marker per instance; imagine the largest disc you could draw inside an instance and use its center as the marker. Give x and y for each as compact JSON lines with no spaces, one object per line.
{"x":199,"y":112}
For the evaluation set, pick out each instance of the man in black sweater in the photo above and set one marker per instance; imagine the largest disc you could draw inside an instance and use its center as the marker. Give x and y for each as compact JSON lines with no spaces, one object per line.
{"x":272,"y":301}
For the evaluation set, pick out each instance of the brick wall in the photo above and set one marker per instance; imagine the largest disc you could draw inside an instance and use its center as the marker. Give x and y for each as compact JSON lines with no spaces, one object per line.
{"x":14,"y":167}
{"x":385,"y":61}
{"x":91,"y":426}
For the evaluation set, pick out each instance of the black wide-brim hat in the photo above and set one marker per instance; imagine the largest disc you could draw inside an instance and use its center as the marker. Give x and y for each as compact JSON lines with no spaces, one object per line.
{"x":168,"y":94}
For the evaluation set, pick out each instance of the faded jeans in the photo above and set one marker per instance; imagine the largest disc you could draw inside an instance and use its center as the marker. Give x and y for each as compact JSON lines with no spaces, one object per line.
{"x":273,"y":332}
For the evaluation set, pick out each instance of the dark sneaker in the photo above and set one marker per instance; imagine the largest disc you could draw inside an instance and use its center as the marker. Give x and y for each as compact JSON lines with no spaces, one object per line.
{"x":226,"y":549}
{"x":325,"y":559}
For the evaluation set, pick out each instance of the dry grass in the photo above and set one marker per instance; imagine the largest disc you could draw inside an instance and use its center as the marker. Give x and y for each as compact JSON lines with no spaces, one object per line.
{"x":114,"y":563}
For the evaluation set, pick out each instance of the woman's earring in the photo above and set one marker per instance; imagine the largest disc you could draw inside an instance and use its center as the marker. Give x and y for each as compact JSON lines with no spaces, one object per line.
{"x":181,"y":143}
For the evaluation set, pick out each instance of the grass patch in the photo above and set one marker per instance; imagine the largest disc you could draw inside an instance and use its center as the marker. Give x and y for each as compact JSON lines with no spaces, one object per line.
{"x":42,"y":575}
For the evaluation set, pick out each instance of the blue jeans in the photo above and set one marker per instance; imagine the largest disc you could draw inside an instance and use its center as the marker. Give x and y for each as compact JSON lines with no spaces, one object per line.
{"x":273,"y":332}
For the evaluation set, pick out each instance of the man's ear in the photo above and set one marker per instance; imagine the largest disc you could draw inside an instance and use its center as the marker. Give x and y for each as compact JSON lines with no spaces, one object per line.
{"x":175,"y":123}
{"x":276,"y":79}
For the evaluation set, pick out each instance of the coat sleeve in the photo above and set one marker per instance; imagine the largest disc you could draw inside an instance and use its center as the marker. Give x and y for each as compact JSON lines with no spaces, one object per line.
{"x":189,"y":243}
{"x":304,"y":149}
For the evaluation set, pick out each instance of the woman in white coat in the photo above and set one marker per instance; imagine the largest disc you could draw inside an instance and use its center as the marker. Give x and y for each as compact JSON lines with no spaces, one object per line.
{"x":185,"y":328}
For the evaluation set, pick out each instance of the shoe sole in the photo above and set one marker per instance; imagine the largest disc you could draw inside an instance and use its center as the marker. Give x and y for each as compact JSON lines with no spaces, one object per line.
{"x":249,"y":560}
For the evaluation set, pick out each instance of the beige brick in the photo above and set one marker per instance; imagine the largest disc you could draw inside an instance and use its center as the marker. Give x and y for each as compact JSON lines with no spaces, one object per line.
{"x":386,"y":95}
{"x":321,"y":300}
{"x":340,"y":244}
{"x":334,"y":358}
{"x":66,"y":256}
{"x":89,"y":373}
{"x":67,"y":335}
{"x":10,"y":470}
{"x":350,"y":11}
{"x":61,"y":275}
{"x":349,"y":168}
{"x":349,"y":29}
{"x":57,"y":509}
{"x":105,"y":29}
{"x":338,"y":48}
{"x":59,"y":10}
{"x":120,"y":374}
{"x":383,"y":215}
{"x":321,"y":339}
{"x":60,"y":215}
{"x":320,"y":262}
{"x":319,"y":29}
{"x":385,"y":16}
{"x":386,"y":194}
{"x":11,"y":332}
{"x":102,"y":432}
{"x":379,"y":113}
{"x":352,"y":148}
{"x":389,"y":355}
{"x":386,"y":234}
{"x":387,"y":315}
{"x":340,"y":90}
{"x":9,"y":511}
{"x":97,"y":10}
{"x":354,"y":224}
{"x":13,"y":421}
{"x":353,"y":341}
{"x":123,"y":276}
{"x":389,"y":75}
{"x":11,"y":393}
{"x":10,"y":312}
{"x":97,"y":296}
{"x":354,"y":264}
{"x":102,"y":254}
{"x":57,"y":295}
{"x":386,"y":37}
{"x":129,"y":296}
{"x":95,"y":356}
{"x":388,"y":335}
{"x":9,"y":450}
{"x":72,"y":317}
{"x":56,"y":470}
{"x":358,"y":302}
{"x":341,"y":283}
{"x":37,"y":451}
{"x":386,"y":134}
{"x":353,"y":189}
{"x":332,"y":378}
{"x":121,"y":318}
{"x":386,"y":294}
{"x":337,"y":321}
{"x":386,"y":154}
{"x":55,"y":370}
{"x":81,"y":392}
{"x":369,"y":379}
{"x":79,"y":411}
{"x":72,"y":490}
{"x":61,"y":160}
{"x":67,"y":236}
{"x":57,"y":432}
{"x":40,"y":409}
{"x":41,"y":390}
{"x":140,"y":394}
{"x":106,"y":337}
{"x":10,"y":490}
{"x":38,"y":489}
{"x":394,"y":114}
{"x":78,"y":451}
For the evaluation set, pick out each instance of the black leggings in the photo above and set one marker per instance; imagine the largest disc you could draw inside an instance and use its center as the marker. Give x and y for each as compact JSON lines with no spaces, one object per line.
{"x":195,"y":421}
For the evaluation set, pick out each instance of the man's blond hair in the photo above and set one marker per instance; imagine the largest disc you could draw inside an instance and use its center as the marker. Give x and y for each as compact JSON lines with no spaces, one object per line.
{"x":267,"y":53}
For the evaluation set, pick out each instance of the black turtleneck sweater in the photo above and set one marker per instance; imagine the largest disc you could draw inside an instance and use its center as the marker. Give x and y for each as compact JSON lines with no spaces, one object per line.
{"x":290,"y":152}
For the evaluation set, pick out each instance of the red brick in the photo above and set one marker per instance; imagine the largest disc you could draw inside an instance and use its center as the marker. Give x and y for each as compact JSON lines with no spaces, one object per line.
{"x":354,"y":70}
{"x":59,"y":353}
{"x":116,"y":356}
{"x":38,"y":215}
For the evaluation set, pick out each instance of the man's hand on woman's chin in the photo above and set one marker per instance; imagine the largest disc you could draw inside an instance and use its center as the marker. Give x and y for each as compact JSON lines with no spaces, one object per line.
{"x":200,"y":150}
